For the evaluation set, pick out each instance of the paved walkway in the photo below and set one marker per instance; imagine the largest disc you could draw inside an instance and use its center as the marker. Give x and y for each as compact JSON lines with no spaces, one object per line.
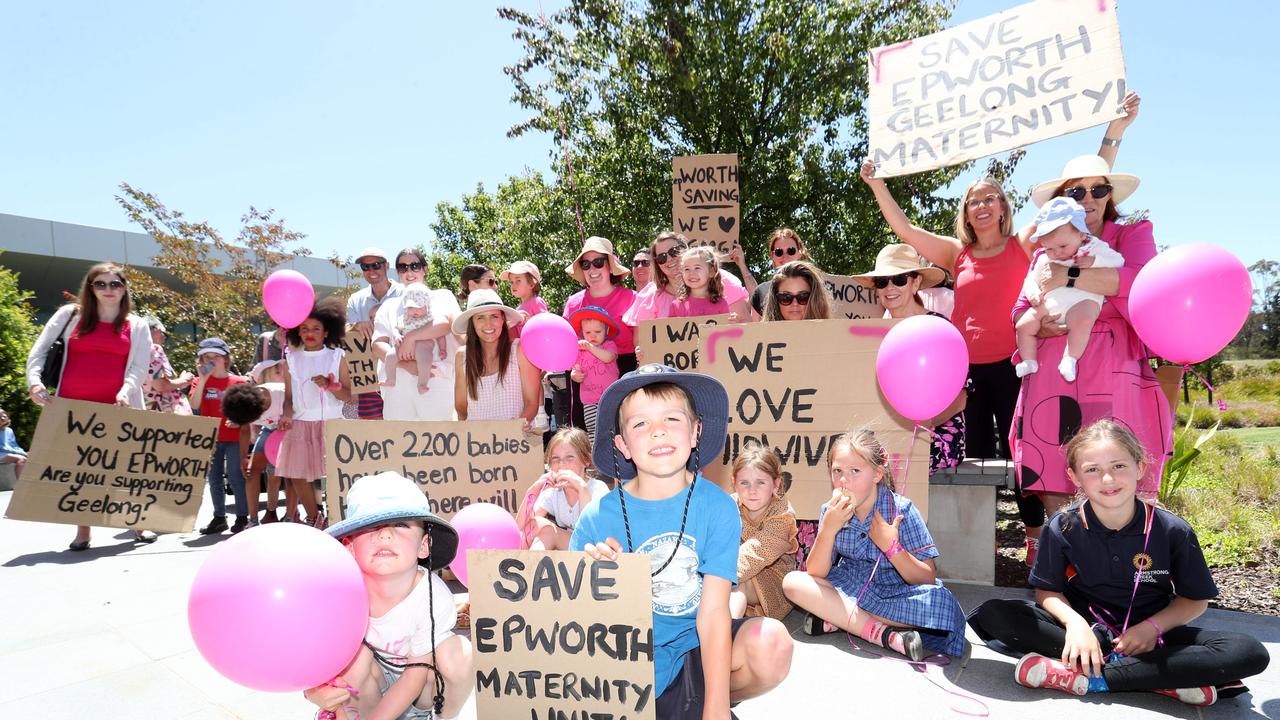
{"x":103,"y":634}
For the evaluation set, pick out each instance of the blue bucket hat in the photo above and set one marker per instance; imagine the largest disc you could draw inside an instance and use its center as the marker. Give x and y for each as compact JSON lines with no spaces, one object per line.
{"x":214,"y":345}
{"x":1058,"y":212}
{"x":378,"y":499}
{"x":710,"y":403}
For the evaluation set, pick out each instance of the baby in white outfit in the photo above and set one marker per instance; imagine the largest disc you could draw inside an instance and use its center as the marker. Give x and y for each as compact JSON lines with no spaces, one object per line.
{"x":416,"y":304}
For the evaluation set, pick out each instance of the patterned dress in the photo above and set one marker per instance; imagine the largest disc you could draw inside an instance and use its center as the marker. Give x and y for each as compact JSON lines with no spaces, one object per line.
{"x":766,"y":555}
{"x":861,"y":573}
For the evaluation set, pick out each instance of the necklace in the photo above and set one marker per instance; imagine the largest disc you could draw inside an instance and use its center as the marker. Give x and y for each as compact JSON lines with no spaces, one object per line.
{"x":626,"y":522}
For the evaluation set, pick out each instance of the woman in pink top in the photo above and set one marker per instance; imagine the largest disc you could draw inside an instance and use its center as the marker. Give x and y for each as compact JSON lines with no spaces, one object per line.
{"x":598,"y":268}
{"x":655,"y":299}
{"x":1114,"y":379}
{"x":107,"y":355}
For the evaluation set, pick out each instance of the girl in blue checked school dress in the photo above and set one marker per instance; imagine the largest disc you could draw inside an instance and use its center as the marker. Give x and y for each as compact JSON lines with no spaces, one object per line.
{"x":872,"y":572}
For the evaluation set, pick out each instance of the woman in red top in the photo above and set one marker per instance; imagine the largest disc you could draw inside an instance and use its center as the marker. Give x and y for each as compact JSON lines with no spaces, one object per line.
{"x":108,"y":352}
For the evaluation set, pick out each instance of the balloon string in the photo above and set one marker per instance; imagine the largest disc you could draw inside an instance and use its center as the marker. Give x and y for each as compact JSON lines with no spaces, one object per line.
{"x":1222,"y":404}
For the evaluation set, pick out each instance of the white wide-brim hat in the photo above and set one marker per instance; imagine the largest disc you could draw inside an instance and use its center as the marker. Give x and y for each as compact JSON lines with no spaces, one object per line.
{"x":1083,"y":166}
{"x":482,"y":300}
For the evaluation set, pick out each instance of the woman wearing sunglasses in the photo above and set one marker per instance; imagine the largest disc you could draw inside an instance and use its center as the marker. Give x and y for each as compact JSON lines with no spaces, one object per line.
{"x":597,"y":268}
{"x":654,"y":300}
{"x":898,"y":279}
{"x":106,"y":358}
{"x":474,"y":277}
{"x":1114,"y":378}
{"x":642,"y":268}
{"x":402,"y":401}
{"x":796,"y":292}
{"x":785,"y":246}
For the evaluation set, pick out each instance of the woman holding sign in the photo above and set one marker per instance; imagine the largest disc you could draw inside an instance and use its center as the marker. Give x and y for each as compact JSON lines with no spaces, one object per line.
{"x":106,"y":357}
{"x":402,"y":401}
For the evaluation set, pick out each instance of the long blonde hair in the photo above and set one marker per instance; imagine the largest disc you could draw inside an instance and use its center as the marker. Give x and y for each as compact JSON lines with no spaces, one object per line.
{"x":715,"y":284}
{"x":964,"y":231}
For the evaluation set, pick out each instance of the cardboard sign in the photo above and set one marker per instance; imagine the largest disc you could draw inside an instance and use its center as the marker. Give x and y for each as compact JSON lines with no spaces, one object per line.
{"x":362,"y":366}
{"x":852,"y":301}
{"x":704,"y":199}
{"x":455,"y":463}
{"x":108,"y":466}
{"x":795,"y":386}
{"x":1037,"y":71}
{"x":673,"y":341}
{"x":558,"y":635}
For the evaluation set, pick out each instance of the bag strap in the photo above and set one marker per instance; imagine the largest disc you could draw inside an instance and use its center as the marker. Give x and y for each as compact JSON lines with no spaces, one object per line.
{"x":67,"y":325}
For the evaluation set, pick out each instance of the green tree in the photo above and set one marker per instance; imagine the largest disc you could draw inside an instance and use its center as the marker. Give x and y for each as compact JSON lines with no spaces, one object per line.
{"x":215,"y":285}
{"x":624,"y":87}
{"x":18,"y":331}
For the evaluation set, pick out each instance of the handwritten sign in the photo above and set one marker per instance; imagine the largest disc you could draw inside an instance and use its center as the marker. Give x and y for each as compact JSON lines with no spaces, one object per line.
{"x":851,"y":301}
{"x":559,"y":635}
{"x":673,"y":341}
{"x":455,"y":463}
{"x":1027,"y":74}
{"x":362,"y":367}
{"x":704,"y":199}
{"x":795,"y":386}
{"x":108,"y":466}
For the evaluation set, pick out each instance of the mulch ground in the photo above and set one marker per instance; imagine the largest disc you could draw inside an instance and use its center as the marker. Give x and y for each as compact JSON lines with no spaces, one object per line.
{"x":1247,"y":588}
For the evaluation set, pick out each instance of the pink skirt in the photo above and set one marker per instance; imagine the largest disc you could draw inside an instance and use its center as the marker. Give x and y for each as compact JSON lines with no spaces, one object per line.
{"x":302,"y":451}
{"x":1115,"y":381}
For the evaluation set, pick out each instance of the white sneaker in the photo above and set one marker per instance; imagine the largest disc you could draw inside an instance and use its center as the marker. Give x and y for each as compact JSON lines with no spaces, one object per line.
{"x":1068,"y":368}
{"x":1026,"y":367}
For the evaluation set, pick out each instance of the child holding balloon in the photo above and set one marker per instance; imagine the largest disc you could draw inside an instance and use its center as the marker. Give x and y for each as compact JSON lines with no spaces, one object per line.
{"x":315,"y":386}
{"x":411,"y":664}
{"x":557,"y":499}
{"x":872,"y":571}
{"x":1117,"y":583}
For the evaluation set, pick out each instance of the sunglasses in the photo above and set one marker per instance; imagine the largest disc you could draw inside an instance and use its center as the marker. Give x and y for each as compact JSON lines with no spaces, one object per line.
{"x":491,"y":282}
{"x":897,"y":280}
{"x":779,"y":252}
{"x":638,"y":262}
{"x":1098,"y":192}
{"x":598,"y":263}
{"x":410,"y":267}
{"x":786,"y":298}
{"x":378,"y":265}
{"x":671,"y":254}
{"x":104,"y":284}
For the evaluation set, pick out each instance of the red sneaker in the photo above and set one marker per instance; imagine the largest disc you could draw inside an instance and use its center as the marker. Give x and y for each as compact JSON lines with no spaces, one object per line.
{"x":1038,"y":671}
{"x":1202,"y":696}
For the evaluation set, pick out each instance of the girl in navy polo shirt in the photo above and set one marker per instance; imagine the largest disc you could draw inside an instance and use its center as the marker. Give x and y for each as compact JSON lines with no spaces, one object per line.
{"x":1106,"y":616}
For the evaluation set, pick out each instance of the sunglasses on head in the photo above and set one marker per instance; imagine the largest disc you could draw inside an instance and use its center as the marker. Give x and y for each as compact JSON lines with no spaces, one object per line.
{"x":1098,"y":192}
{"x":786,"y":298}
{"x":410,"y":267}
{"x":779,"y":252}
{"x":671,"y":254}
{"x":598,"y":263}
{"x":104,"y":284}
{"x":640,"y":262}
{"x":375,"y":265}
{"x":897,"y":280}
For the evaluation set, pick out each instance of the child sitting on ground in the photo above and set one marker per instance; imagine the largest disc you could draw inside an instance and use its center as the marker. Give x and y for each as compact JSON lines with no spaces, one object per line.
{"x":597,"y":364}
{"x":411,"y":663}
{"x":11,"y":453}
{"x":562,"y":493}
{"x":1099,"y":626}
{"x":655,"y":425}
{"x":883,"y":585}
{"x":417,"y":314}
{"x":768,"y":549}
{"x":1065,"y":240}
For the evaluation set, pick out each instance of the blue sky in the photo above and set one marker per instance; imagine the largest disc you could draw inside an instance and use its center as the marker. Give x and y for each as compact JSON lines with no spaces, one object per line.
{"x":353,"y":120}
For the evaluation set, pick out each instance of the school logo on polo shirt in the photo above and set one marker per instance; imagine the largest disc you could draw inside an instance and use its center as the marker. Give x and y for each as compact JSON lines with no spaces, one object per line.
{"x":1142,"y":561}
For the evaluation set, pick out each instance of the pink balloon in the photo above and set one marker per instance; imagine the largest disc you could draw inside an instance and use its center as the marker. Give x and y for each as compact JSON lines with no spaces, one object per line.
{"x":921,"y":366}
{"x":1190,"y":301}
{"x":271,"y":448}
{"x":549,"y":342}
{"x":288,"y":297}
{"x":482,"y":526}
{"x":280,"y":607}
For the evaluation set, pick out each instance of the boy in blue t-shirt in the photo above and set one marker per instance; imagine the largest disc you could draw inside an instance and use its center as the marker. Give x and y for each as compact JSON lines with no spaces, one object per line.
{"x":653,"y":427}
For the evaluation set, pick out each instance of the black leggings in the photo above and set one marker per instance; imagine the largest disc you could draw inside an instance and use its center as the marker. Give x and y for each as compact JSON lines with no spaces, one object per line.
{"x":988,"y":417}
{"x":626,"y":363}
{"x":1190,"y":657}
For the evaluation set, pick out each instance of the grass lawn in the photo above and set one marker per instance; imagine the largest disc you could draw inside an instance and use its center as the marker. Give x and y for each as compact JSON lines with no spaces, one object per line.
{"x":1256,"y":440}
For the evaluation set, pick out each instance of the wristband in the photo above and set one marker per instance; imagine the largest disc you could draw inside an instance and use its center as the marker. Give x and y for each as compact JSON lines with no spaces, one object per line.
{"x":333,"y":386}
{"x":1159,"y":634}
{"x":894,"y":548}
{"x":1110,"y":142}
